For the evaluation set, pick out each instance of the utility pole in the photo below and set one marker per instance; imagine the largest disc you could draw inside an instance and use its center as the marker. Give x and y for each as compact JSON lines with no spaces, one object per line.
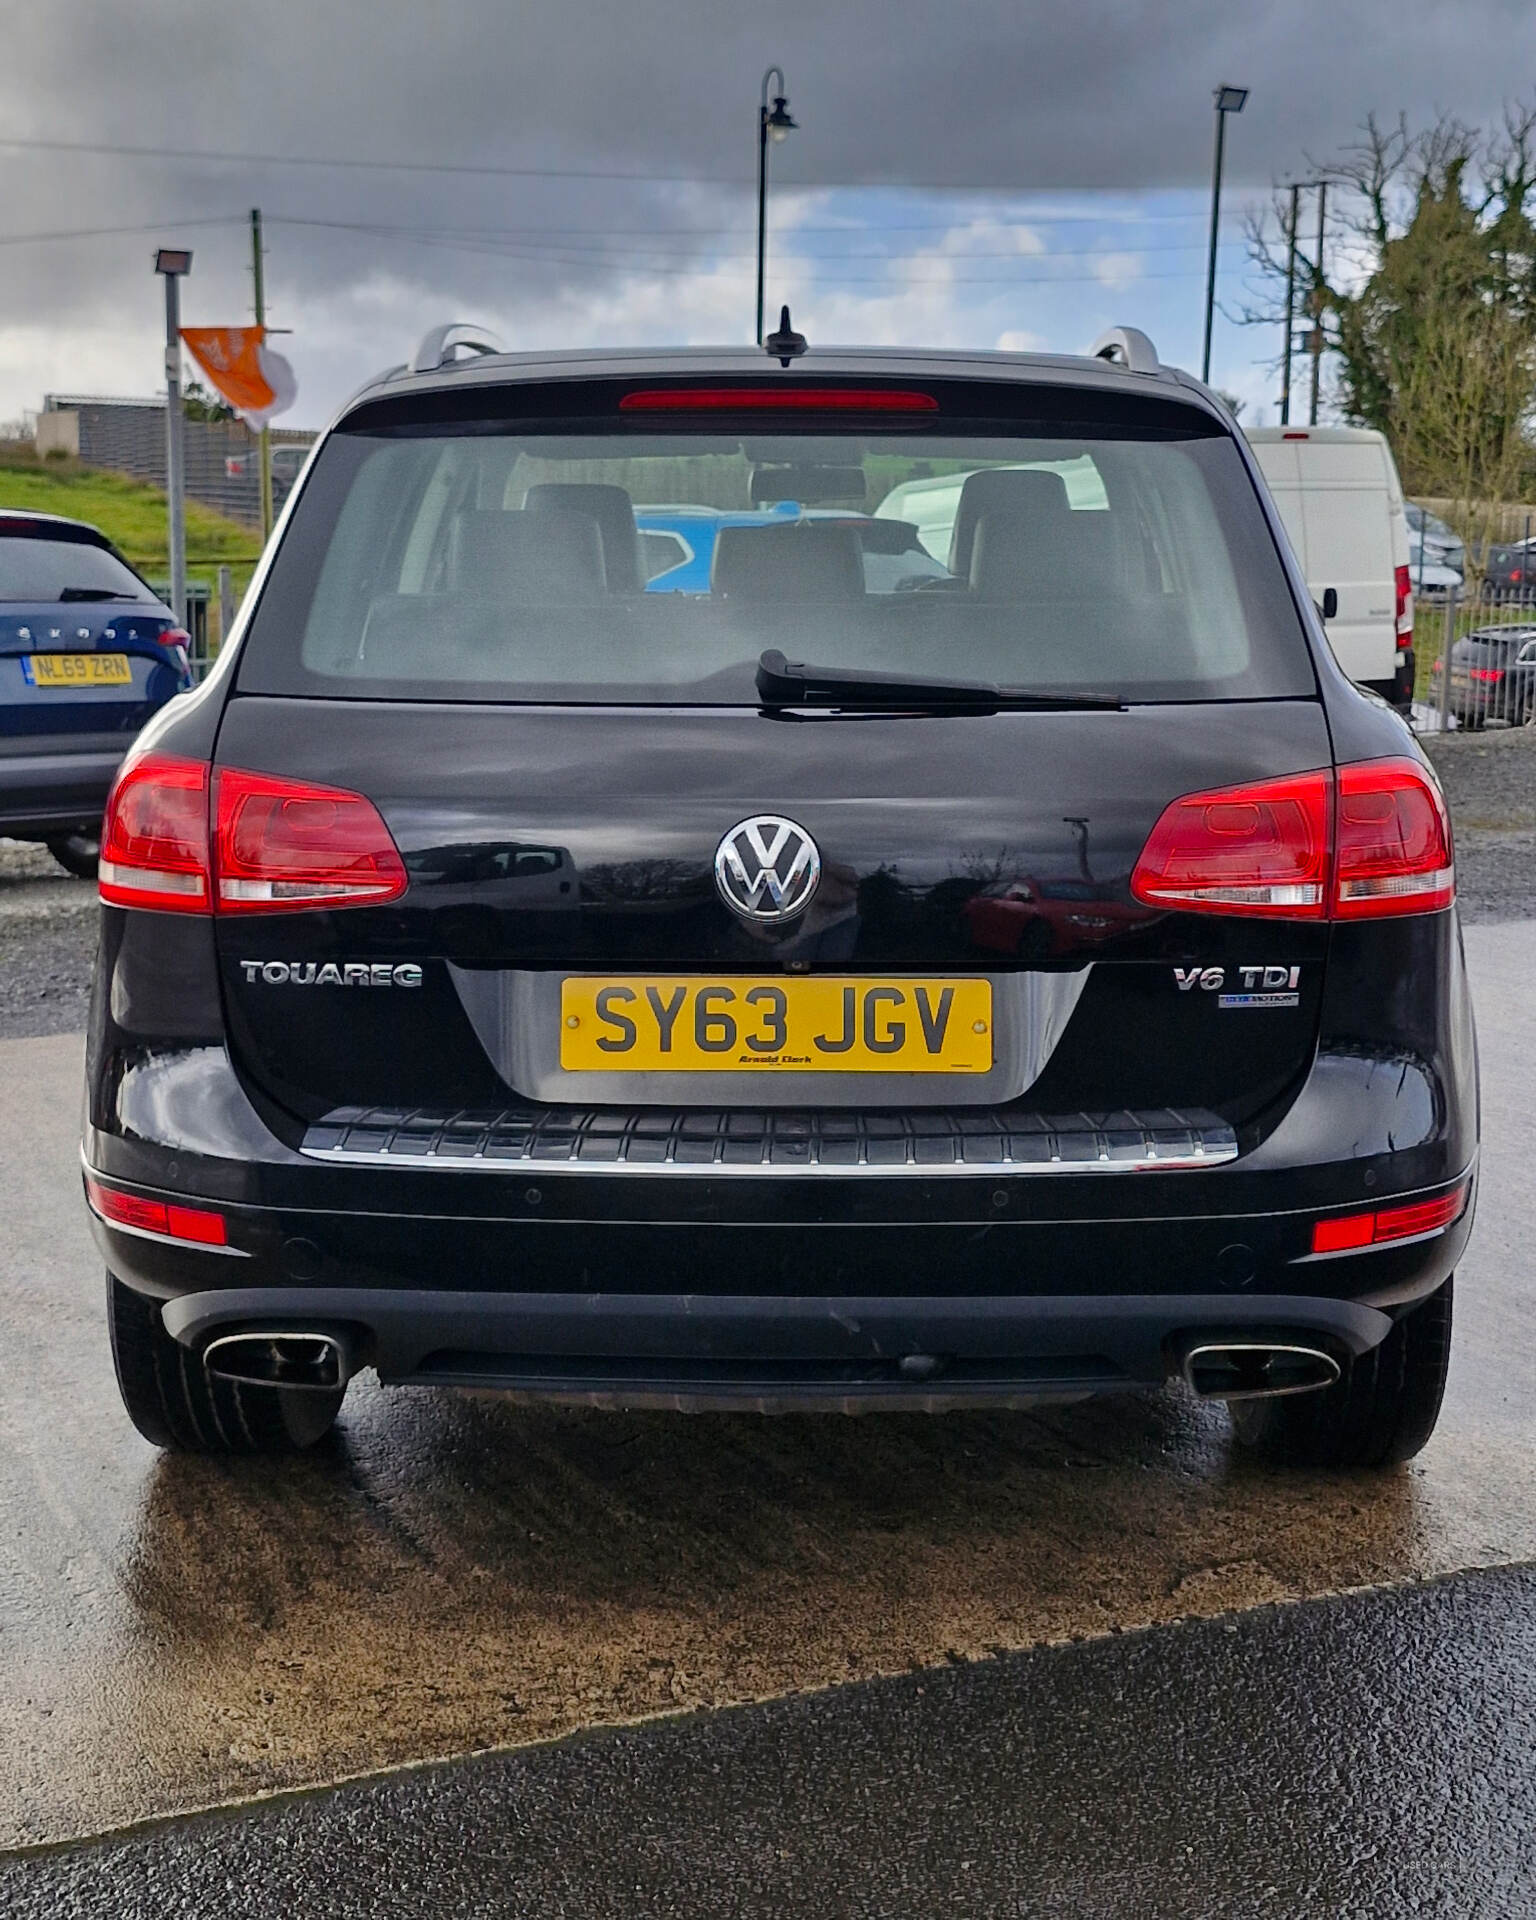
{"x":1316,"y":341}
{"x":171,"y":263}
{"x":1290,"y":306}
{"x":1228,"y":100}
{"x":259,"y":299}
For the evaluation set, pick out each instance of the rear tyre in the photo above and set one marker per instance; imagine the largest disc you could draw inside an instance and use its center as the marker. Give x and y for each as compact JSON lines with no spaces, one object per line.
{"x":1381,"y":1412}
{"x":177,"y":1404}
{"x":77,"y":853}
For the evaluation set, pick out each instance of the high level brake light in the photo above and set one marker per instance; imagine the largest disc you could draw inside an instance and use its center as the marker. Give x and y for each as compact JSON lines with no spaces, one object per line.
{"x":774,"y":399}
{"x":1370,"y":840}
{"x":271,"y":845}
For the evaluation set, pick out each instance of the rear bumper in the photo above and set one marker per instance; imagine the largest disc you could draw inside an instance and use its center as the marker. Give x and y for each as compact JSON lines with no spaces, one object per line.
{"x":44,"y":793}
{"x":778,"y":1351}
{"x":816,"y":1309}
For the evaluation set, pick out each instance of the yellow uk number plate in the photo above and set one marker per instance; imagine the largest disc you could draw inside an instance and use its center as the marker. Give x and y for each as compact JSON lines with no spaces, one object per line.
{"x":693,"y":1025}
{"x":77,"y":669}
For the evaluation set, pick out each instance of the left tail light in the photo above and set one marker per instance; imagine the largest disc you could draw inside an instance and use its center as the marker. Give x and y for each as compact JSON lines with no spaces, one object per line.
{"x":284,"y":844}
{"x":1372,"y":839}
{"x":182,"y":840}
{"x":154,"y":836}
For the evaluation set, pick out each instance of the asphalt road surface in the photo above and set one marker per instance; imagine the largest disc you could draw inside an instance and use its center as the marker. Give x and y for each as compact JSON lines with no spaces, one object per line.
{"x":1127,"y":1688}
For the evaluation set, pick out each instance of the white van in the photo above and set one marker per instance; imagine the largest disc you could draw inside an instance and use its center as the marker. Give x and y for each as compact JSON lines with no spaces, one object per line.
{"x":1342,"y":503}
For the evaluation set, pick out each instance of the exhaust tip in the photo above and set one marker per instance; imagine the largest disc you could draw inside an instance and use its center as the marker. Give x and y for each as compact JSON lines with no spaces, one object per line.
{"x":1257,"y":1369}
{"x":280,"y":1357}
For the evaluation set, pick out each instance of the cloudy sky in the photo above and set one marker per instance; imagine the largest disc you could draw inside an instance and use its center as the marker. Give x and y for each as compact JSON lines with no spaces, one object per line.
{"x":582,"y":172}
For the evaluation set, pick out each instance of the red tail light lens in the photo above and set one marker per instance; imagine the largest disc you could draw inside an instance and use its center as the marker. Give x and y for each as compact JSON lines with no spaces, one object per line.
{"x":197,"y":1224}
{"x":1265,"y":849}
{"x":1394,"y":842}
{"x":777,"y":400}
{"x":1489,"y":675}
{"x":1259,"y":849}
{"x":1344,"y":1233}
{"x":283,"y":844}
{"x":1404,"y":581}
{"x":154,"y":838}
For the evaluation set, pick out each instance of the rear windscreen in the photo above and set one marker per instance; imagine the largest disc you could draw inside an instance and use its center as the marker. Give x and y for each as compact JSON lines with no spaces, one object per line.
{"x":63,"y":570}
{"x":496,"y":561}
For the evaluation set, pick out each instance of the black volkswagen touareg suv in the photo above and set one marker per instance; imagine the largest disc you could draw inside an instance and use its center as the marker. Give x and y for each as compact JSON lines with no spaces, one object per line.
{"x":1038,"y":978}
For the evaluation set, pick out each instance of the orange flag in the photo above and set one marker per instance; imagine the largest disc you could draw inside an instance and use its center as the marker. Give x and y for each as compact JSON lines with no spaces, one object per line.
{"x":255,"y":381}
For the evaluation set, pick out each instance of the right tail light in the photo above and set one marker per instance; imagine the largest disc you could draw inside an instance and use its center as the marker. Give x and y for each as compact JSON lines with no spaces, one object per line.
{"x":1369,"y":840}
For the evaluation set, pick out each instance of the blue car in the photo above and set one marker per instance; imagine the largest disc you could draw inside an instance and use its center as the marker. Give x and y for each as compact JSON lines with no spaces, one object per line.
{"x":678,"y":545}
{"x":87,"y":654}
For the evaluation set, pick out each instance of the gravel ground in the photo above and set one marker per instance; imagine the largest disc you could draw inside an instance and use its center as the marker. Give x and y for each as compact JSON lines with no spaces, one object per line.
{"x":48,"y":921}
{"x":47,"y":943}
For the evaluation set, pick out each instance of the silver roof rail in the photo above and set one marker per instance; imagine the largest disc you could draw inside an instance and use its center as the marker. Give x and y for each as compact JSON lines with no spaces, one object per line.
{"x":439,"y":347}
{"x":1130,"y":347}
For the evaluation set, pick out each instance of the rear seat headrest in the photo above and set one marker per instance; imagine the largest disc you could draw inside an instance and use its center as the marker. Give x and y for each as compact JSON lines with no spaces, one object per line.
{"x":789,"y":560}
{"x":546,"y":559}
{"x":614,"y":512}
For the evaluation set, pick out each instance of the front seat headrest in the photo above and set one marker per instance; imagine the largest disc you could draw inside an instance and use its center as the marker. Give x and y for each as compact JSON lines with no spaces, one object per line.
{"x":1025,"y":491}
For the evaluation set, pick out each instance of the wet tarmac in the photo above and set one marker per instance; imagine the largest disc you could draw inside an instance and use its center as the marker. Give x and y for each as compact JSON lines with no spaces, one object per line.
{"x":455,"y":1573}
{"x":1351,"y":1759}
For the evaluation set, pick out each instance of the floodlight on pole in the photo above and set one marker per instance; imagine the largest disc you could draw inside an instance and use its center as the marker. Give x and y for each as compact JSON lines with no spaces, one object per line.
{"x":1227,"y":100}
{"x":774,"y":123}
{"x":172,"y":263}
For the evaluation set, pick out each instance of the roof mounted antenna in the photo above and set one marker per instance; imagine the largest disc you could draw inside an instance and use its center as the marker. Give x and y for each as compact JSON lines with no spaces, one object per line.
{"x":785,"y":344}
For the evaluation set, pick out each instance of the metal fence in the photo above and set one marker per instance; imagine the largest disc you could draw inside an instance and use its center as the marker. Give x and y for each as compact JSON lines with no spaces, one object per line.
{"x":1475,"y":651}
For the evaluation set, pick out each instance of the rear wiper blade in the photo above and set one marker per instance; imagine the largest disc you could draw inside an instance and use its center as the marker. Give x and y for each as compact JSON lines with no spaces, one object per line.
{"x":94,"y":593}
{"x":782,"y":682}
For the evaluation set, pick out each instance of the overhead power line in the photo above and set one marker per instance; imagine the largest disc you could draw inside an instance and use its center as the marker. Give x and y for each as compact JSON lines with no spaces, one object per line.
{"x":483,"y":168}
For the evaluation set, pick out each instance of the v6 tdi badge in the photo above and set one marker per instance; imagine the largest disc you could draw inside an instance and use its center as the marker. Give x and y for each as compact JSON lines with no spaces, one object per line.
{"x":1262,"y":986}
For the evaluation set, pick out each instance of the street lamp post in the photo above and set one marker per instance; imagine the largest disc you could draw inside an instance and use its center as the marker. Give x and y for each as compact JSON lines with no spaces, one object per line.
{"x":1228,"y":100}
{"x":171,"y":263}
{"x":773,"y":123}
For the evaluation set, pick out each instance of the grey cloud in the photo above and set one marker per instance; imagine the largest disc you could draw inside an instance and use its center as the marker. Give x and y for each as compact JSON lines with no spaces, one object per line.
{"x":1107,"y":93}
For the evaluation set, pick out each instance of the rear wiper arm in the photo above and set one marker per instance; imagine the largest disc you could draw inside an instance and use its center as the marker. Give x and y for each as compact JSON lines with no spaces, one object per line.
{"x":94,"y":593}
{"x":782,"y":683}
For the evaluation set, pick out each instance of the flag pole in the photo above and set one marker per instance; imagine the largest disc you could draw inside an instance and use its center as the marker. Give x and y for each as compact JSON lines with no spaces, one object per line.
{"x":260,"y":304}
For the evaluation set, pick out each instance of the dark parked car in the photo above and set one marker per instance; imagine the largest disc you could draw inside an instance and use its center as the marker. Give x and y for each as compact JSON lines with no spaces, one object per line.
{"x":87,"y":655}
{"x":1493,"y":677}
{"x":1509,"y":573}
{"x":781,"y":1104}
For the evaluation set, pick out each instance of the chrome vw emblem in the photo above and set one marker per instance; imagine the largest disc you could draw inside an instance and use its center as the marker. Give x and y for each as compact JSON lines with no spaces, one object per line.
{"x":767,"y":868}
